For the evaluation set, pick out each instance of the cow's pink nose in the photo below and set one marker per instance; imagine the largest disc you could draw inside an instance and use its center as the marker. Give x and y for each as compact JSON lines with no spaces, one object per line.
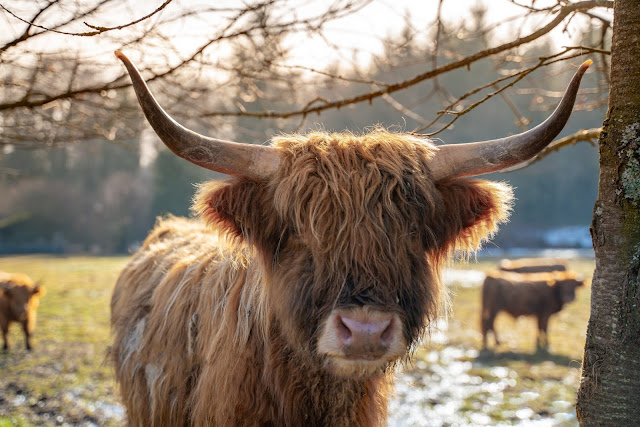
{"x":365,"y":337}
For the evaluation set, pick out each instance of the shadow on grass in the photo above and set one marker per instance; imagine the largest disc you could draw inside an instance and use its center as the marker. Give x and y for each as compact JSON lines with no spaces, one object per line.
{"x":490,"y":357}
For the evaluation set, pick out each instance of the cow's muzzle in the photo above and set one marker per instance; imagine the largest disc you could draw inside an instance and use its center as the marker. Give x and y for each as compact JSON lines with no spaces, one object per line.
{"x":357,"y":342}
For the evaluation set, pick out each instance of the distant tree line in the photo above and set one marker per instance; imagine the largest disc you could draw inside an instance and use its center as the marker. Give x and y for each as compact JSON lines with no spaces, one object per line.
{"x":96,"y":196}
{"x":104,"y":194}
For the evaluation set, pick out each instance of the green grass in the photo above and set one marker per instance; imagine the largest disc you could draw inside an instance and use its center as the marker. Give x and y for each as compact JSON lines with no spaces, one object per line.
{"x":567,"y":328}
{"x":543,"y":382}
{"x":67,"y":379}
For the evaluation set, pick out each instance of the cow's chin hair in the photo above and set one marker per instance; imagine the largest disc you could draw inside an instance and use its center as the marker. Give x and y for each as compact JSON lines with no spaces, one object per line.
{"x":357,"y":369}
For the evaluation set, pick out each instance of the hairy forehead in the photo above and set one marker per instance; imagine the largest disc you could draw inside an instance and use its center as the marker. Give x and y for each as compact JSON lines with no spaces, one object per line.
{"x":342,"y":181}
{"x":354,"y":175}
{"x":393,"y":152}
{"x":356,"y":201}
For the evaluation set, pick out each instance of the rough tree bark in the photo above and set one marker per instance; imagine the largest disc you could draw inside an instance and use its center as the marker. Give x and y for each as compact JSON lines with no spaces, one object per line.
{"x":610,"y":388}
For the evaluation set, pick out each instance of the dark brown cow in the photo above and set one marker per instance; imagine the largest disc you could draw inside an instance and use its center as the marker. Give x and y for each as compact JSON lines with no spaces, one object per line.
{"x":530,"y":294}
{"x":19,"y":299}
{"x":533,"y":265}
{"x":311,"y":274}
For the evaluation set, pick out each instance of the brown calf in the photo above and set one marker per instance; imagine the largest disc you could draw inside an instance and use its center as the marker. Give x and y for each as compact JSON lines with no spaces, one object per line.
{"x":535,"y":294}
{"x":19,"y":299}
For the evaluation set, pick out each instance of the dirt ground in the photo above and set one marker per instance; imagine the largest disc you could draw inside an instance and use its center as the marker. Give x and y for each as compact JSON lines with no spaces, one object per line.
{"x":67,"y":379}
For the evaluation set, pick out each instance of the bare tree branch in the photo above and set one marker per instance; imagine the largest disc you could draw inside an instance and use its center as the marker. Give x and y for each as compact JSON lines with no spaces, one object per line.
{"x":562,"y":14}
{"x":47,"y":93}
{"x":98,"y":29}
{"x":542,"y":62}
{"x":404,"y":110}
{"x":26,"y":34}
{"x":258,"y":86}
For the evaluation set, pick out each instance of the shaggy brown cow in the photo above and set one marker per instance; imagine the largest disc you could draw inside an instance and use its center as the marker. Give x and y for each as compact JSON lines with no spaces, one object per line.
{"x":19,"y":299}
{"x":532,"y":265}
{"x":523,"y":294}
{"x":314,"y":271}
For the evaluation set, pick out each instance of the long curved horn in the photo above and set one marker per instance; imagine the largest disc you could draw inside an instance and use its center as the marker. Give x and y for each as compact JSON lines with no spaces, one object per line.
{"x":252,"y":161}
{"x":476,"y":158}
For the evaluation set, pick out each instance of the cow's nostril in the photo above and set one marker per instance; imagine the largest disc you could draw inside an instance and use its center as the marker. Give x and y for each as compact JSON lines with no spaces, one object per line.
{"x":363,"y":335}
{"x":343,"y":332}
{"x":388,"y":334}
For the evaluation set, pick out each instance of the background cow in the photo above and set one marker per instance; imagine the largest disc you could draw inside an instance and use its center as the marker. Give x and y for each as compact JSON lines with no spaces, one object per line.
{"x":314,"y":271}
{"x":533,"y":265}
{"x":535,"y":294}
{"x":19,"y":299}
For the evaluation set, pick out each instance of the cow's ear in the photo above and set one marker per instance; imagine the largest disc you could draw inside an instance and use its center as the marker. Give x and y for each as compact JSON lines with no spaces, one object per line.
{"x":470,"y":212}
{"x":238,"y":207}
{"x":38,"y":290}
{"x":227,"y":205}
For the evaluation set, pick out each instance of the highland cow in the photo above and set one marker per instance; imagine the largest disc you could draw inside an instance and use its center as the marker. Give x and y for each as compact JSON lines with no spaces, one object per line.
{"x":526,"y":294}
{"x":312,"y":272}
{"x":19,"y":300}
{"x":533,"y":265}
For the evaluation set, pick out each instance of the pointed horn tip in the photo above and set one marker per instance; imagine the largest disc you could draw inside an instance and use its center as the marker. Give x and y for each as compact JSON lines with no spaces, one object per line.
{"x":121,"y":56}
{"x":577,"y":77}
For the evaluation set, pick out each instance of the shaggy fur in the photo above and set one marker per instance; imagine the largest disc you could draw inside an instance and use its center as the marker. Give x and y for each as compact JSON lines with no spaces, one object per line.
{"x":217,"y":322}
{"x":537,"y":294}
{"x":19,"y":299}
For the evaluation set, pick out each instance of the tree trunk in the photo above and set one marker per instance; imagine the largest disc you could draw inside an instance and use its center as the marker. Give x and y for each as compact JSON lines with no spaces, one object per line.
{"x":610,"y":388}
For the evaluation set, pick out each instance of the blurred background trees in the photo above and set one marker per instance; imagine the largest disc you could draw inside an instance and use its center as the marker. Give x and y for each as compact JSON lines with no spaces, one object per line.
{"x":80,"y":171}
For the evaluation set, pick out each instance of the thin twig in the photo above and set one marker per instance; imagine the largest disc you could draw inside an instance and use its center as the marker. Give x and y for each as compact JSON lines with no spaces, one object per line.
{"x":98,"y":29}
{"x":545,"y":61}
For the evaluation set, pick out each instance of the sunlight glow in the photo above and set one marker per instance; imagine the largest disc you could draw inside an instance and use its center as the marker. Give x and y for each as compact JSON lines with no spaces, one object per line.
{"x":355,"y":38}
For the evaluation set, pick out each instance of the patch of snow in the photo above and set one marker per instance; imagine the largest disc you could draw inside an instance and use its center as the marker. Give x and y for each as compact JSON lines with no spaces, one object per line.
{"x":462,"y":278}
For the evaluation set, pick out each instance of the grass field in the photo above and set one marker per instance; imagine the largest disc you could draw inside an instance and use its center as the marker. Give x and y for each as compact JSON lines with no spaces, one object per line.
{"x":511,"y":384}
{"x":66,"y":379}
